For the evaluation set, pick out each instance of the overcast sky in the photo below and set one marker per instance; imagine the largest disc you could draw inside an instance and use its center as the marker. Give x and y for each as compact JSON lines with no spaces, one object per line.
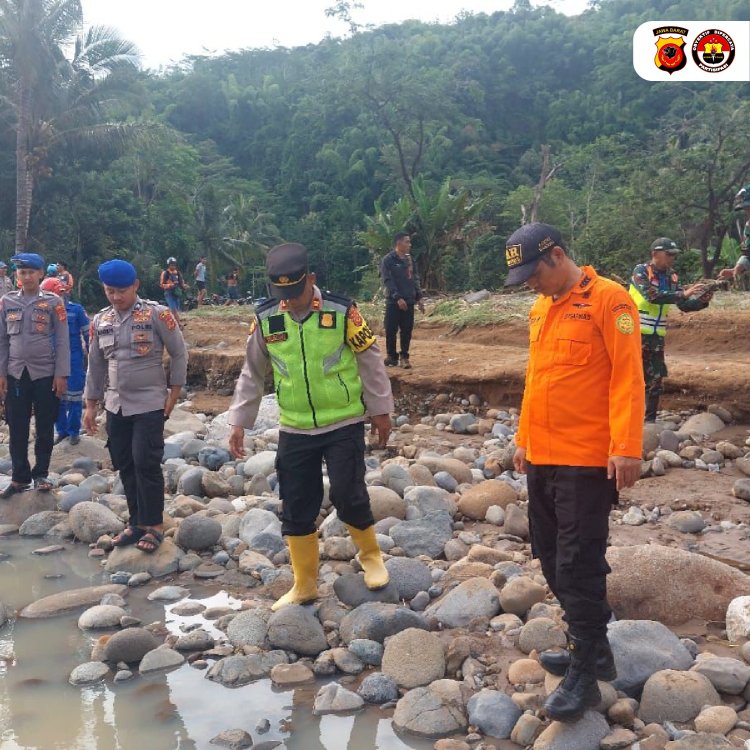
{"x":166,"y":30}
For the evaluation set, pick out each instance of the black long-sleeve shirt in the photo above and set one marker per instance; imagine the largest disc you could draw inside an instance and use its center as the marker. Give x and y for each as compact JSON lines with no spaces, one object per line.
{"x":399,"y":274}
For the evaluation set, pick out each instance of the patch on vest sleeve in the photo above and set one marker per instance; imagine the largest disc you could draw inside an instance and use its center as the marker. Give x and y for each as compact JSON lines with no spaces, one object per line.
{"x":253,"y":326}
{"x":60,"y":312}
{"x":359,"y":336}
{"x":625,"y":323}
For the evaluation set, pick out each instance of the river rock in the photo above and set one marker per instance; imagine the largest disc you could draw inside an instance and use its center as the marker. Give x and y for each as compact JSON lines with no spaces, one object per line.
{"x":434,"y":710}
{"x":540,"y":634}
{"x":519,"y":594}
{"x":163,"y":561}
{"x":101,"y":616}
{"x":424,"y":536}
{"x":687,"y":521}
{"x":584,"y":734}
{"x":409,"y":576}
{"x":257,"y":521}
{"x":41,"y":523}
{"x":213,"y":484}
{"x":396,"y":478}
{"x":181,"y":420}
{"x":66,"y":601}
{"x":88,"y":673}
{"x":74,"y":496}
{"x":213,"y":457}
{"x":457,"y":469}
{"x":234,"y":739}
{"x":191,"y":481}
{"x":727,"y":675}
{"x":704,"y":423}
{"x":296,"y":628}
{"x":738,"y":619}
{"x":249,"y":628}
{"x":261,"y":463}
{"x":716,"y":720}
{"x":90,"y":520}
{"x":198,"y":532}
{"x":195,"y":640}
{"x":477,"y":500}
{"x":24,"y":506}
{"x":236,"y":671}
{"x":422,"y":501}
{"x":700,"y":742}
{"x":160,"y":659}
{"x":352,"y":591}
{"x":333,"y":698}
{"x":741,"y":489}
{"x":285,"y":675}
{"x":385,"y":503}
{"x":676,"y":696}
{"x":413,"y":657}
{"x":476,"y":597}
{"x":367,"y":651}
{"x":445,"y":481}
{"x":641,"y":648}
{"x":129,"y":645}
{"x":376,"y":621}
{"x":378,"y":688}
{"x":516,"y":521}
{"x":96,"y":484}
{"x":493,"y":713}
{"x":670,"y":585}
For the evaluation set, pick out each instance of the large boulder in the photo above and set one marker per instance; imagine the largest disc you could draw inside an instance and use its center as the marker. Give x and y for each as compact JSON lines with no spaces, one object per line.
{"x":672,"y":586}
{"x":413,"y":658}
{"x":435,"y":710}
{"x":475,"y":502}
{"x":676,"y":696}
{"x":90,"y":520}
{"x":476,"y":597}
{"x":375,"y":621}
{"x":386,"y":503}
{"x":65,"y":601}
{"x":704,"y":423}
{"x":162,"y":562}
{"x":20,"y":507}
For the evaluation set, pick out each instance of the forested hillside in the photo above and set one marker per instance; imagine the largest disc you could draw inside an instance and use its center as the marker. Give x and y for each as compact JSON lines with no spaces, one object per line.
{"x":437,"y":128}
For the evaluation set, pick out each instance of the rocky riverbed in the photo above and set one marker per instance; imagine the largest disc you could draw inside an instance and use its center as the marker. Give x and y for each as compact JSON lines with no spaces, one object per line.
{"x":448,"y":651}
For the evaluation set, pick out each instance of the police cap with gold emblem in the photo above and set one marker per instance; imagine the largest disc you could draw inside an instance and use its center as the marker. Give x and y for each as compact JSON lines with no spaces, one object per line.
{"x":524,"y":250}
{"x":286,"y":266}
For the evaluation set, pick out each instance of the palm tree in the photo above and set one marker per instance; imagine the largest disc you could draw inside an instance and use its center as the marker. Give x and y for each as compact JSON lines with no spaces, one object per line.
{"x":55,"y":99}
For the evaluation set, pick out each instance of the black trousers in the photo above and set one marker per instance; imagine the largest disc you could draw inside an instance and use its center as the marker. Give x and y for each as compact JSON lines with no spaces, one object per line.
{"x":569,"y":523}
{"x":398,"y":320}
{"x":136,"y":446}
{"x":299,"y":469}
{"x":25,"y":394}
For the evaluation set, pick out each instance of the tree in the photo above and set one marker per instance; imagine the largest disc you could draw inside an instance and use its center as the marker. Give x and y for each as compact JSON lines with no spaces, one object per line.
{"x":55,"y":99}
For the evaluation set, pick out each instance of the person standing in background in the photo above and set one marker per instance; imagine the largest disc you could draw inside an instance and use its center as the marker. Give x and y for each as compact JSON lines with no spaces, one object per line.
{"x":68,"y":422}
{"x":34,"y":367}
{"x":6,"y":282}
{"x":401,"y":282}
{"x":200,"y":279}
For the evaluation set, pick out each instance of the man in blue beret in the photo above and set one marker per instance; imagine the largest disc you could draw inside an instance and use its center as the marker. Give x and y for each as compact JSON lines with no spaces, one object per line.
{"x":125,"y":370}
{"x":34,"y":367}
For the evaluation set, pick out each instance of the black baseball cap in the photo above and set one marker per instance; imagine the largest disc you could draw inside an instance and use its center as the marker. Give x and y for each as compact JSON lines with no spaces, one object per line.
{"x":664,"y":243}
{"x":524,"y":250}
{"x":286,"y":266}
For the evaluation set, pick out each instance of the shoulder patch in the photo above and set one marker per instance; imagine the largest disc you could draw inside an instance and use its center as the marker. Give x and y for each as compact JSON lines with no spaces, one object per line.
{"x":60,"y":312}
{"x":253,"y":326}
{"x":359,"y":335}
{"x":625,"y":323}
{"x":168,"y":319}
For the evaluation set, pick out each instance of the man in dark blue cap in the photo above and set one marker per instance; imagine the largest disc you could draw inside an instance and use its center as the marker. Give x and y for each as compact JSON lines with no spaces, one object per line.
{"x":34,"y":367}
{"x":127,"y":342}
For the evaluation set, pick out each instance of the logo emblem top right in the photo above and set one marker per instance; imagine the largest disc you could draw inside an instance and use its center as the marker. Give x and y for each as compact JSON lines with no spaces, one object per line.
{"x":713,"y":50}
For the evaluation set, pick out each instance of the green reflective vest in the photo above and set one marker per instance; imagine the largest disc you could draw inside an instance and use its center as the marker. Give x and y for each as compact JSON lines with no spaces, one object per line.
{"x":653,"y":317}
{"x":314,"y":370}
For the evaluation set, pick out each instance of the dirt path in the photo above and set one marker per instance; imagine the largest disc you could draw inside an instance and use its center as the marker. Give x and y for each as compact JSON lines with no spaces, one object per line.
{"x":707,"y":355}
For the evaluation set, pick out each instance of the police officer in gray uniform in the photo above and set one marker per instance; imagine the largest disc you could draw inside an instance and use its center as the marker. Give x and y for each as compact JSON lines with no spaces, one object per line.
{"x":34,"y":366}
{"x":127,"y":342}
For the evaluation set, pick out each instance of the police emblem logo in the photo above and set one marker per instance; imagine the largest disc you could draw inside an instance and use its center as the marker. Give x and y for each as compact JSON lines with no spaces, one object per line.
{"x":670,"y":55}
{"x":60,"y":312}
{"x":253,"y":326}
{"x":168,"y":320}
{"x":625,"y":323}
{"x":141,"y":316}
{"x":713,"y":50}
{"x":283,"y":280}
{"x":327,"y":320}
{"x":354,"y":316}
{"x":513,"y":255}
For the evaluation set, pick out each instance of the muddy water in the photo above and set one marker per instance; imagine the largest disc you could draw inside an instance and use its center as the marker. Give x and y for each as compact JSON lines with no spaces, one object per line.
{"x":182,"y":709}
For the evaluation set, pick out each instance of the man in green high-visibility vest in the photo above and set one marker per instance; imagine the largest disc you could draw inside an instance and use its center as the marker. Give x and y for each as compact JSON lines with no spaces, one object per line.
{"x":329,"y":377}
{"x":655,"y":287}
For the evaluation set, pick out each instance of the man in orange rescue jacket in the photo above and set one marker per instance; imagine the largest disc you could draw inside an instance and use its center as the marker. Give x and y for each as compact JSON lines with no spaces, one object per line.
{"x":579,"y":442}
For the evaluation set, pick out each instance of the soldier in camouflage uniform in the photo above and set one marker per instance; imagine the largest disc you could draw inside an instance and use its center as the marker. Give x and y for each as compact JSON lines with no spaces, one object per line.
{"x":655,"y":287}
{"x":741,"y":269}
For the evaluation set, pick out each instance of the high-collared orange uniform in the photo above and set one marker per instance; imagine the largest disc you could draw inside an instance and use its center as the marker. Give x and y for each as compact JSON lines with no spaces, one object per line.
{"x":584,"y":394}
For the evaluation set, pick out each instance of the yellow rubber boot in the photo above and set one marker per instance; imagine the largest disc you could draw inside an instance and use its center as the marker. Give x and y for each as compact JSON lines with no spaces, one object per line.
{"x":376,"y":574}
{"x":303,"y":552}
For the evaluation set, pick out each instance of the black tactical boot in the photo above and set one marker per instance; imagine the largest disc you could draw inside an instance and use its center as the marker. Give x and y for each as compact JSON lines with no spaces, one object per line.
{"x":556,"y":662}
{"x":578,"y":690}
{"x":652,"y":406}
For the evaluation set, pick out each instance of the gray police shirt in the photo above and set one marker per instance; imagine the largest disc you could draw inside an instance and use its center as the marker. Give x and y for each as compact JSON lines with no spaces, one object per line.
{"x":34,"y":335}
{"x":126,"y":356}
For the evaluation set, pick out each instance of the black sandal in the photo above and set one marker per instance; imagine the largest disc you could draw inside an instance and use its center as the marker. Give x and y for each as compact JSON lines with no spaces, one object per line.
{"x":12,"y":489}
{"x":129,"y":535}
{"x":150,"y":541}
{"x":42,"y":484}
